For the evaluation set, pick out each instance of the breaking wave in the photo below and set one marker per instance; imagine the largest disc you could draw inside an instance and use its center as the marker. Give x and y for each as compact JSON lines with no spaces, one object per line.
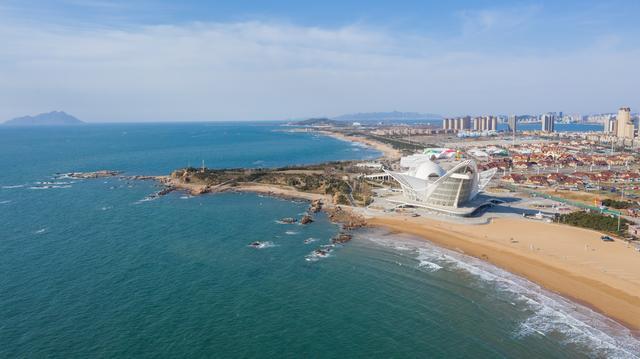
{"x":13,"y":186}
{"x":549,"y":313}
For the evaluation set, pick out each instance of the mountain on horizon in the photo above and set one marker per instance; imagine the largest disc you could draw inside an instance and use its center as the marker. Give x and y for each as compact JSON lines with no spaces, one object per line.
{"x":54,"y":118}
{"x":387,"y":116}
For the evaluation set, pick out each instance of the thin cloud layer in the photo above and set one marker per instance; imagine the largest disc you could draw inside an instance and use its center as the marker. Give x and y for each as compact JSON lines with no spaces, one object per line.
{"x":258,"y":70}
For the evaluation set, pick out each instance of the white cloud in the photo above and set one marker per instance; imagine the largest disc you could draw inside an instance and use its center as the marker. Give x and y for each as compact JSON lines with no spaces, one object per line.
{"x":500,"y":19}
{"x":262,"y":70}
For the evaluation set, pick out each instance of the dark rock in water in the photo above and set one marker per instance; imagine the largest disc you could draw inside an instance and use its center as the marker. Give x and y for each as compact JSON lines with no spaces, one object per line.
{"x":95,"y":174}
{"x":341,"y":238}
{"x":306,"y":219}
{"x":142,"y":178}
{"x":165,"y":191}
{"x":288,"y":220}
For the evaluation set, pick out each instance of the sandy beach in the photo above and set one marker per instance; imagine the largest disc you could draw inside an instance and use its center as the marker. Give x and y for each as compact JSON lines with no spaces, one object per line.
{"x":571,"y":261}
{"x":388,"y":151}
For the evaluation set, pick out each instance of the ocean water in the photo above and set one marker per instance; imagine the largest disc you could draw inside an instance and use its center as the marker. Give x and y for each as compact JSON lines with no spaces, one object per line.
{"x":90,"y":269}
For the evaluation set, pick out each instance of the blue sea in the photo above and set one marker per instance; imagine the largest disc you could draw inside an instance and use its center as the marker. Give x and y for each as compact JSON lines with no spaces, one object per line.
{"x":90,"y":269}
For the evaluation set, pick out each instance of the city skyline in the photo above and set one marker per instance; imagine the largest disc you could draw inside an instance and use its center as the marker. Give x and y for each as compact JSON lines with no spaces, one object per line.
{"x":107,"y":61}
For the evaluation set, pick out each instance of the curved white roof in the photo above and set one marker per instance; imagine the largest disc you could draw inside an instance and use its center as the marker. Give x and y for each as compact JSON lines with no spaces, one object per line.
{"x":413,"y":161}
{"x":427,"y":169}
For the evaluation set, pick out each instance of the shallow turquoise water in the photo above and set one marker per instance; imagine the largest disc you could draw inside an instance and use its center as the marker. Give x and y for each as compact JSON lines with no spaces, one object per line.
{"x":89,"y":270}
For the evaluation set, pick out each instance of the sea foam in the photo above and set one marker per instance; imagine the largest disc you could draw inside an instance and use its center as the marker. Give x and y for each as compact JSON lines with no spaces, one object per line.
{"x":550,"y":312}
{"x":13,"y":186}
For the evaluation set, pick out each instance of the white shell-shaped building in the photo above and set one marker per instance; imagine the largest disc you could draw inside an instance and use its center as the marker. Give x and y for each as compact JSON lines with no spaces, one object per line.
{"x":425,"y":182}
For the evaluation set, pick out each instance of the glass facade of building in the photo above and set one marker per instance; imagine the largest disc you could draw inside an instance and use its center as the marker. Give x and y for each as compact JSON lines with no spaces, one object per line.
{"x":453,"y":191}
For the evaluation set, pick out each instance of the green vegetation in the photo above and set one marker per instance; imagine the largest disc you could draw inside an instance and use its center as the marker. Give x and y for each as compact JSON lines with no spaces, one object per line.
{"x":597,"y":221}
{"x":342,"y":199}
{"x":362,"y":192}
{"x":335,"y":179}
{"x":618,"y":204}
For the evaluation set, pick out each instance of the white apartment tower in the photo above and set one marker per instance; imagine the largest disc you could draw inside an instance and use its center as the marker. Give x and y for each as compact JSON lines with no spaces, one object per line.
{"x":626,"y":127}
{"x":548,"y":122}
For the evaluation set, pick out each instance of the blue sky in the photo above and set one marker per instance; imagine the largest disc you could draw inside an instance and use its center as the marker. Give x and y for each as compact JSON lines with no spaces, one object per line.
{"x":252,"y":60}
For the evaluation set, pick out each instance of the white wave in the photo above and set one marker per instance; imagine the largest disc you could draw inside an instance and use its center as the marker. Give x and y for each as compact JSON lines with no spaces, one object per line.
{"x":550,"y":313}
{"x":186,"y":197}
{"x":430,"y":266}
{"x":146,"y":199}
{"x":310,"y":240}
{"x":262,"y":245}
{"x":285,"y":222}
{"x":63,"y":176}
{"x":314,"y":257}
{"x":5,"y":202}
{"x":13,"y":186}
{"x":49,"y":187}
{"x":403,"y":248}
{"x":106,"y":208}
{"x":40,"y":231}
{"x":49,"y":183}
{"x":291,"y":233}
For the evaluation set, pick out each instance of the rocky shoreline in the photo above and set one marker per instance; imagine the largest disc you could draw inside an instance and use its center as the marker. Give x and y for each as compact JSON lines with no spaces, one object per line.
{"x":346,"y":218}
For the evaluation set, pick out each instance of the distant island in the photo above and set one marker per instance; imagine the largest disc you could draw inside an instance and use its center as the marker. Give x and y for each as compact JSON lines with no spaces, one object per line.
{"x":54,"y":118}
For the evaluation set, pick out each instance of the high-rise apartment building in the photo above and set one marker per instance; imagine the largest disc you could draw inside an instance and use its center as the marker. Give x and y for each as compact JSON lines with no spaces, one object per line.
{"x":513,"y":123}
{"x":625,"y":125}
{"x":485,"y":123}
{"x":548,"y":122}
{"x":611,"y":126}
{"x":457,"y":124}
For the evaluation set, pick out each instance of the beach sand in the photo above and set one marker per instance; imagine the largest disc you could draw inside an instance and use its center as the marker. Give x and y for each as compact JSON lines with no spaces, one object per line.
{"x":388,"y":151}
{"x":571,"y":261}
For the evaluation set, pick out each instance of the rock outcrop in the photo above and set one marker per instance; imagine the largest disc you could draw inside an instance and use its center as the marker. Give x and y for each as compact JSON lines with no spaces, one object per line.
{"x":316,"y":206}
{"x":306,"y":219}
{"x":348,"y":219}
{"x":95,"y":174}
{"x":341,"y":238}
